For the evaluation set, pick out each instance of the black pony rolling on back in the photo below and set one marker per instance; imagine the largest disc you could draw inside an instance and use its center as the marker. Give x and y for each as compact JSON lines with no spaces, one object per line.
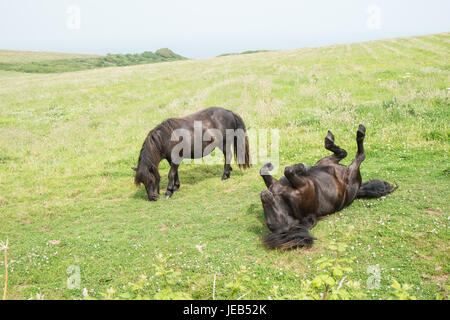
{"x":192,"y":136}
{"x":296,"y":202}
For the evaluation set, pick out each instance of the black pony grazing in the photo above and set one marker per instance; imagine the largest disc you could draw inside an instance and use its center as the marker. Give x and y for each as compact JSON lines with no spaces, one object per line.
{"x":294,"y":204}
{"x":190,"y":137}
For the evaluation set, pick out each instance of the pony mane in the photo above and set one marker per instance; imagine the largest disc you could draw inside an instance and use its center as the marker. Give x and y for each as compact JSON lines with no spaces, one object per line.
{"x":151,"y":153}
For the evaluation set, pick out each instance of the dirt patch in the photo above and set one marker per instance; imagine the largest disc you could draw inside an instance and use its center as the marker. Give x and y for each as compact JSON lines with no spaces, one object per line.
{"x":434,"y":212}
{"x":441,"y":278}
{"x":312,"y":249}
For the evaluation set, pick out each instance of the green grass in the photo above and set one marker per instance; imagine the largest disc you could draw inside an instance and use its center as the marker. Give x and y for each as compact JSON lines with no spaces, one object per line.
{"x":75,"y":63}
{"x":68,"y":141}
{"x":244,"y":52}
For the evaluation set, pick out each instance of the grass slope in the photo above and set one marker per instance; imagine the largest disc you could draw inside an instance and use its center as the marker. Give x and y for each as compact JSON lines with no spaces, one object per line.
{"x":14,"y":56}
{"x":77,"y":63}
{"x":67,"y":142}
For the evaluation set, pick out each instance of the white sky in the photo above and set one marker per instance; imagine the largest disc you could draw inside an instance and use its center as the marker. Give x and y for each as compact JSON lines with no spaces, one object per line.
{"x":205,"y":28}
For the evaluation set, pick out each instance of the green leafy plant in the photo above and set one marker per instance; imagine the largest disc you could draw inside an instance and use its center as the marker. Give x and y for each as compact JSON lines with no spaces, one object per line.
{"x":401,"y":291}
{"x":169,"y":277}
{"x":139,"y":290}
{"x":331,"y":282}
{"x":238,"y":287}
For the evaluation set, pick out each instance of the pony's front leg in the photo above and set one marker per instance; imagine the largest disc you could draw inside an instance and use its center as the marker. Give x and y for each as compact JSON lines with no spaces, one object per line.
{"x":177,"y":182}
{"x":171,"y":186}
{"x":295,"y":175}
{"x":264,"y":172}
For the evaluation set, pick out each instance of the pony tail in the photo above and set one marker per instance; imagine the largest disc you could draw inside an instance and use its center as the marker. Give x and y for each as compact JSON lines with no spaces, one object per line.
{"x":375,"y":189}
{"x":242,"y":157}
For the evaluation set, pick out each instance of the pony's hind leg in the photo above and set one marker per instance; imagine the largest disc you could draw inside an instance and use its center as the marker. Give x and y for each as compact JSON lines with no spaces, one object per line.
{"x":228,"y":155}
{"x":360,"y":135}
{"x":338,"y":153}
{"x":353,"y":174}
{"x":360,"y":154}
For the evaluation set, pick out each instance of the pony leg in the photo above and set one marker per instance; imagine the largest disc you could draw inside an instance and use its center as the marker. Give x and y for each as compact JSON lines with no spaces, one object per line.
{"x":228,"y":158}
{"x":171,"y":185}
{"x":264,"y":172}
{"x":295,"y":174}
{"x":353,"y":174}
{"x":360,"y":154}
{"x":177,"y":182}
{"x":338,"y":153}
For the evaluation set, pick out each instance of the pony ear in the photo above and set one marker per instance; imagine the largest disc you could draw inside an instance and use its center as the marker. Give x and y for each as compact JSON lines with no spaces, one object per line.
{"x":135,"y":169}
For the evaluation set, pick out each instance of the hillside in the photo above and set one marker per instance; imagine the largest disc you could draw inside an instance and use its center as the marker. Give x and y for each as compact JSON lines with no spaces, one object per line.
{"x":56,"y":63}
{"x":14,"y":56}
{"x":67,"y":198}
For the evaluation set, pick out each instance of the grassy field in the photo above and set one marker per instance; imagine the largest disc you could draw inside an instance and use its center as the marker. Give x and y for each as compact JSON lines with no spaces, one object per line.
{"x":68,"y":141}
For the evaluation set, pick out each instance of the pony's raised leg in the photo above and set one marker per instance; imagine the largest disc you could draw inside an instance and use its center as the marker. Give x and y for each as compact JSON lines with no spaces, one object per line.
{"x":295,"y":174}
{"x":360,"y":154}
{"x":353,"y":173}
{"x":171,"y":185}
{"x":338,"y":153}
{"x":264,"y":172}
{"x":228,"y":158}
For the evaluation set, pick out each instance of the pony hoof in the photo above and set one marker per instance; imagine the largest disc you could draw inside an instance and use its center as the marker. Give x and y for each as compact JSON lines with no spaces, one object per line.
{"x":288,"y":171}
{"x":264,"y":171}
{"x":225,"y":177}
{"x":267,"y":196}
{"x":361,"y":133}
{"x":329,"y":140}
{"x":296,"y":169}
{"x":168,"y":195}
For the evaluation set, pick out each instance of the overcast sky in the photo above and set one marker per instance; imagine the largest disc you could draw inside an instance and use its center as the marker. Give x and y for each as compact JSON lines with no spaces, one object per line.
{"x":206,"y":28}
